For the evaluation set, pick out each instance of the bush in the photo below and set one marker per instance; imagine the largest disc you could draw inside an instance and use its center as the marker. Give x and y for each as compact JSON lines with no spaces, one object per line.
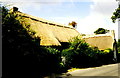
{"x":106,"y":57}
{"x":118,"y":47}
{"x":80,"y":55}
{"x":118,"y":57}
{"x":53,"y":60}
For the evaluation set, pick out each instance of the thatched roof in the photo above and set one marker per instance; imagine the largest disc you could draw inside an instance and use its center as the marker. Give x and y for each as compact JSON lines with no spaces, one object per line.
{"x":50,"y":33}
{"x":103,"y":41}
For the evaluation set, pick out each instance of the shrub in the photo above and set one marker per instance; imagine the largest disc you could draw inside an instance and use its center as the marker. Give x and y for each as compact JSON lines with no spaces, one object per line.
{"x":105,"y":56}
{"x":118,"y":57}
{"x":53,"y":59}
{"x":80,"y":55}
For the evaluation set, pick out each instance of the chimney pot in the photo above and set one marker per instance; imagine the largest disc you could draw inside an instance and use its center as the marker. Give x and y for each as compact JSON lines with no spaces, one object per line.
{"x":15,"y":9}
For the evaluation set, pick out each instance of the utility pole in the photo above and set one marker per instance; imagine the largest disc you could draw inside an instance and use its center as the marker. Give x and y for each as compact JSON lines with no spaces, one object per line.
{"x":118,"y":22}
{"x":115,"y":50}
{"x":115,"y":43}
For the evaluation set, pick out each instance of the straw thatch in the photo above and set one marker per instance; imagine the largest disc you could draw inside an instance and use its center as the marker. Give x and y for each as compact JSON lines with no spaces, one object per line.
{"x":50,"y":33}
{"x":103,"y":42}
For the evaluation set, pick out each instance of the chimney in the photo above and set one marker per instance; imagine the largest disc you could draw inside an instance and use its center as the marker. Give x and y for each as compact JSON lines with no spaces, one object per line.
{"x":112,"y":32}
{"x":13,"y":9}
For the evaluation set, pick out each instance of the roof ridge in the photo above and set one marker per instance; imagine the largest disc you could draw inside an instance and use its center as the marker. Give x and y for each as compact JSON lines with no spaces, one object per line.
{"x":42,"y":20}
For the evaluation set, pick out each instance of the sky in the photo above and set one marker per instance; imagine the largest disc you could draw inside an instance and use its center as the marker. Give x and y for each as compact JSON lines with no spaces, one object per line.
{"x":89,"y":14}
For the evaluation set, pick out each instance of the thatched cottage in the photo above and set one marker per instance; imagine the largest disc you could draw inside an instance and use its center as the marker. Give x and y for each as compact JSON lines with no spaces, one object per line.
{"x":53,"y":34}
{"x":102,"y":41}
{"x":50,"y":33}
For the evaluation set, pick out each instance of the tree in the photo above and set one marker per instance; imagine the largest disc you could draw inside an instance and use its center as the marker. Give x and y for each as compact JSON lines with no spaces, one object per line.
{"x":73,"y":23}
{"x":101,"y":31}
{"x":116,"y":14}
{"x":22,"y":54}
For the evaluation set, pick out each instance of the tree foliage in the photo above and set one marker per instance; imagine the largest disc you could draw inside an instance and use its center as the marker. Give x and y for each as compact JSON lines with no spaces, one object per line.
{"x":101,"y":31}
{"x":116,"y":14}
{"x":22,"y":54}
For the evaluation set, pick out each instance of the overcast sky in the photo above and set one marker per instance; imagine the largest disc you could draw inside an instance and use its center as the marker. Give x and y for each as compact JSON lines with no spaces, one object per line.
{"x":89,"y":14}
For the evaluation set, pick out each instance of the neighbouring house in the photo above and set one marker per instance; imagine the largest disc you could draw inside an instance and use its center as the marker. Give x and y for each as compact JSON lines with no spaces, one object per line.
{"x":102,"y":41}
{"x":50,"y":33}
